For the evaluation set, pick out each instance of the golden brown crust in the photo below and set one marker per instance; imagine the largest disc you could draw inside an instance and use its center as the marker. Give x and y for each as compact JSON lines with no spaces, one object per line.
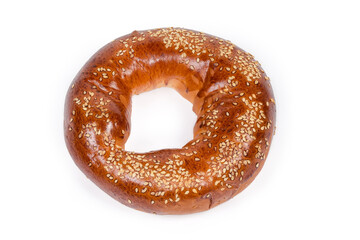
{"x":231,"y":96}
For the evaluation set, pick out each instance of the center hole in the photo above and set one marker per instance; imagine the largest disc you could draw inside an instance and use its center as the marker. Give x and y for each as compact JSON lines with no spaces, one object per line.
{"x":160,"y":119}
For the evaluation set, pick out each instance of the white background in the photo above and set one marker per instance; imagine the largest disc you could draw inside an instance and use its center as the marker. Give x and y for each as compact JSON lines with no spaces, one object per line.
{"x":309,"y":187}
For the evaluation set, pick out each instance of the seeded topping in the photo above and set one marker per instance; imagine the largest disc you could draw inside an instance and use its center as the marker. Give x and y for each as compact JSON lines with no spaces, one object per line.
{"x":232,"y":134}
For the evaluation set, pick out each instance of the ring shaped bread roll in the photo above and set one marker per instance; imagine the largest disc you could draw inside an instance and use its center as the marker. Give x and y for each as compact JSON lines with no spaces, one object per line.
{"x":231,"y":97}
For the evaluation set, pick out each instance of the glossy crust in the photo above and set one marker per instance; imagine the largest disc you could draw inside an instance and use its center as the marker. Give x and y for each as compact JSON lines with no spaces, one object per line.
{"x":231,"y":96}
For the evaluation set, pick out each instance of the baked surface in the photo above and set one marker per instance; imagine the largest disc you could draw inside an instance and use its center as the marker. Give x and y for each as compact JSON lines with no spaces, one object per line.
{"x":231,"y":97}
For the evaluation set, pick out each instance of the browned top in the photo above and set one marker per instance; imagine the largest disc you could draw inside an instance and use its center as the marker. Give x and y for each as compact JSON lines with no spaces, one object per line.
{"x":231,"y":96}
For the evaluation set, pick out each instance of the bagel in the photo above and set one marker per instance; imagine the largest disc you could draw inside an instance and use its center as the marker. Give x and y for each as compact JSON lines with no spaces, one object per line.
{"x":231,"y":97}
